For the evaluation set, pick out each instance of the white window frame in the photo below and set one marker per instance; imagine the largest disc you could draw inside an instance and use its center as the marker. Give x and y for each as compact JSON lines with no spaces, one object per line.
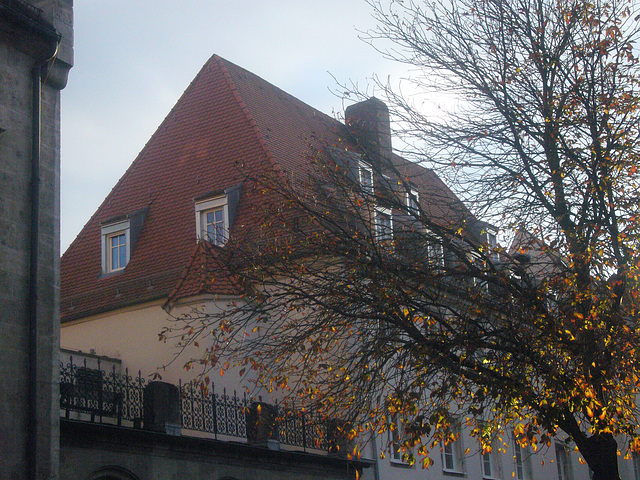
{"x":435,"y":254}
{"x":108,"y":233}
{"x":492,"y":244}
{"x":208,"y":206}
{"x":364,"y":169}
{"x":453,"y":450}
{"x":491,"y":465}
{"x":563,"y":462}
{"x":413,"y":201}
{"x":521,"y":461}
{"x":395,"y":445}
{"x":380,"y":230}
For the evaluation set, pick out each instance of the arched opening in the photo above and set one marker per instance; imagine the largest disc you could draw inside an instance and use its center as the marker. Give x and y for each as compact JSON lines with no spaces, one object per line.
{"x":112,"y":473}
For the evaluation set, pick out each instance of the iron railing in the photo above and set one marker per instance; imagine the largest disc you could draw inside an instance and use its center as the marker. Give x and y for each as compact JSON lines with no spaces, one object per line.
{"x":92,"y":393}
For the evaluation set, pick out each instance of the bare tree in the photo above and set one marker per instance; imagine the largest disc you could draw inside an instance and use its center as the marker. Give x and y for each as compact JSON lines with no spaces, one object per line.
{"x":384,"y":301}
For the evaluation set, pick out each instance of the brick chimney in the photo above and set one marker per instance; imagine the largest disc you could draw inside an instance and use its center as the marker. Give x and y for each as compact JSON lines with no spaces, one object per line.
{"x":369,"y":122}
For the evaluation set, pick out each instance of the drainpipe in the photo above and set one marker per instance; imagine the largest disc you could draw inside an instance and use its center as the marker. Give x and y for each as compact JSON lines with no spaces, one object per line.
{"x":40,"y":68}
{"x":32,"y":298}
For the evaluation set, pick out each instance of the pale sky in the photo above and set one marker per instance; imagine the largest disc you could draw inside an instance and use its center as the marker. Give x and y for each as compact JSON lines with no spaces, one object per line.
{"x":134,"y":58}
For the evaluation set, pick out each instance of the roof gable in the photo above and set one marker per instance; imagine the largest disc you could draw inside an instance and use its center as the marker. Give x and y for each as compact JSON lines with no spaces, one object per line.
{"x":195,"y":150}
{"x":228,"y":122}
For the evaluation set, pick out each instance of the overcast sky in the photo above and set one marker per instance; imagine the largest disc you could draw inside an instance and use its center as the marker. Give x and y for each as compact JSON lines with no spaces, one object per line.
{"x":134,"y":58}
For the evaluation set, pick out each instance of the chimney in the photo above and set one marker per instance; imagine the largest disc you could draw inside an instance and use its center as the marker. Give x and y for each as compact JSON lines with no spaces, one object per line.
{"x":369,"y":122}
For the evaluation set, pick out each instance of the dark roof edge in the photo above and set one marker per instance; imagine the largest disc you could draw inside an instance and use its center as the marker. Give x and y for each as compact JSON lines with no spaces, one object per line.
{"x":84,"y":313}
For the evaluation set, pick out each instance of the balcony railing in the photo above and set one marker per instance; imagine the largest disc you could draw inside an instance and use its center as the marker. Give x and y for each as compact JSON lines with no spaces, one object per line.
{"x":92,"y":393}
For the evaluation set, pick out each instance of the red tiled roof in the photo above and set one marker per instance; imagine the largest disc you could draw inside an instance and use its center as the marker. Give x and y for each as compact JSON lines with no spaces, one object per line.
{"x":227,"y":122}
{"x":205,"y":274}
{"x":194,"y":151}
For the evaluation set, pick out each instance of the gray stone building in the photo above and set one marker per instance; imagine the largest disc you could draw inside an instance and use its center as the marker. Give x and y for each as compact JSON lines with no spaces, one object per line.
{"x":36,"y":53}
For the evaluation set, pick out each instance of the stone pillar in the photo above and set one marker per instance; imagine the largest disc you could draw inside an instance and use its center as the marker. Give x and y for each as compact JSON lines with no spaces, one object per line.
{"x":262,"y":424}
{"x":338,"y":438}
{"x":31,"y":32}
{"x":162,"y":408}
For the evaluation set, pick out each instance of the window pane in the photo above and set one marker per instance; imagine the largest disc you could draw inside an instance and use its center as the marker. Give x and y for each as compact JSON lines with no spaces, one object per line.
{"x":448,"y":456}
{"x":436,"y":257}
{"x":384,"y":228}
{"x":562,"y":462}
{"x":412,"y":200}
{"x":118,"y":251}
{"x":122,"y":250}
{"x":214,"y":226}
{"x":486,"y":464}
{"x":366,"y":179}
{"x":518,"y":459}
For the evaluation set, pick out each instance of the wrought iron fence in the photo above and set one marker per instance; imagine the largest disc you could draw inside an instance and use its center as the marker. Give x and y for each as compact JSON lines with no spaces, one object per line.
{"x":90,"y":392}
{"x":101,"y":393}
{"x":208,"y":411}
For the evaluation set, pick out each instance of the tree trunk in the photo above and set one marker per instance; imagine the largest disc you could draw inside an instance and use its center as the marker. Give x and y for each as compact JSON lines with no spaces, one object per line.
{"x":601,"y":453}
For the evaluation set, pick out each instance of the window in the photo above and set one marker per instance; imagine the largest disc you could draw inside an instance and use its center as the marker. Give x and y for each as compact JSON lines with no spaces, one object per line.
{"x":490,"y":456}
{"x":452,"y":460}
{"x":116,"y":246}
{"x":384,"y":225}
{"x":522,"y":462}
{"x":563,"y":462}
{"x":435,"y":254}
{"x":212,"y":220}
{"x":117,"y":250}
{"x":492,"y":244}
{"x":395,"y":446}
{"x":395,"y":443}
{"x":366,"y":178}
{"x":413,"y":201}
{"x":491,"y":465}
{"x":448,"y":457}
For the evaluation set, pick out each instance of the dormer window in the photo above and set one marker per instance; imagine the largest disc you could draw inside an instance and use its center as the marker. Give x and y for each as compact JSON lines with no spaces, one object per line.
{"x":365,"y":174}
{"x":384,"y":224}
{"x":413,"y":201}
{"x":116,"y":246}
{"x":492,"y":244}
{"x":212,"y":220}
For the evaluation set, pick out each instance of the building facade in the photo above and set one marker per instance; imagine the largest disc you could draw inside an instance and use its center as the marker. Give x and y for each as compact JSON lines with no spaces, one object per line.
{"x":149,"y":254}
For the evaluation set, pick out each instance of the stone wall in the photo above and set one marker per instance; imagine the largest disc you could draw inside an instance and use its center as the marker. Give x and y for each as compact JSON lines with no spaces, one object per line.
{"x":30,"y":37}
{"x":93,"y":452}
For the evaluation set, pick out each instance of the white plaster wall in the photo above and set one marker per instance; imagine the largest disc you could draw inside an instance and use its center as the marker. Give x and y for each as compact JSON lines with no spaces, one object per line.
{"x":132,"y":335}
{"x":543,"y":465}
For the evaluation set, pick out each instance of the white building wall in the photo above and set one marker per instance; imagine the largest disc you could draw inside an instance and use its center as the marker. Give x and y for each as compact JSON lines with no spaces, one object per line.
{"x":131,"y":335}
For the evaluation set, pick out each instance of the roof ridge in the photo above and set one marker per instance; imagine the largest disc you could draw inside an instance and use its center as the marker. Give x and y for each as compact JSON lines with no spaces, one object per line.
{"x":185,"y":274}
{"x":203,"y":250}
{"x":245,"y":110}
